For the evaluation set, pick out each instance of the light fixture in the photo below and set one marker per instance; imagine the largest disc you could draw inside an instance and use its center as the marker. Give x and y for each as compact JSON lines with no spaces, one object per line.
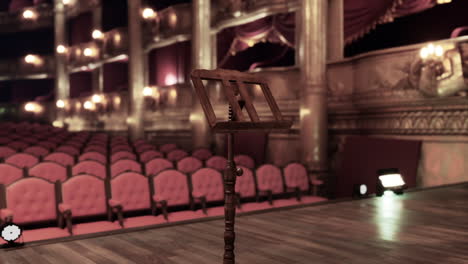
{"x":360,"y":191}
{"x":68,"y":2}
{"x":61,"y":49}
{"x":33,"y":59}
{"x":60,"y":104}
{"x":11,"y":232}
{"x":33,"y":107}
{"x":88,"y":105}
{"x":88,"y":52}
{"x":390,"y":180}
{"x":96,"y":98}
{"x":170,"y":79}
{"x":431,"y":51}
{"x":148,"y":91}
{"x":97,"y":34}
{"x":57,"y":123}
{"x":29,"y":14}
{"x":444,"y":1}
{"x":148,"y":13}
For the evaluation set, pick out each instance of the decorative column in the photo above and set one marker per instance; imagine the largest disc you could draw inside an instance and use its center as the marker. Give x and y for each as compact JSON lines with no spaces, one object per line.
{"x":201,"y":59}
{"x":335,"y":30}
{"x":135,"y":71}
{"x":98,"y":74}
{"x":62,"y":80}
{"x":313,"y":99}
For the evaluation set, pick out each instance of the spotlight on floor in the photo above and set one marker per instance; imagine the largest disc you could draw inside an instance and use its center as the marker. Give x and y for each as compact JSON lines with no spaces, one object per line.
{"x":390,"y":180}
{"x":10,"y":233}
{"x":360,"y":191}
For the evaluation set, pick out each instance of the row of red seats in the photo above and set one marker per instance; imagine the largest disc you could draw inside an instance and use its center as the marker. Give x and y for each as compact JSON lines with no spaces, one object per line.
{"x":88,"y":204}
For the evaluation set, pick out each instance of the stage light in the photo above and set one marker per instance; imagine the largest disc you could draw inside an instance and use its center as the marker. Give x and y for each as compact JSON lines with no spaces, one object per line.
{"x":60,"y":104}
{"x":148,"y":13}
{"x":61,"y":49}
{"x":96,"y":98}
{"x":148,"y":91}
{"x":29,"y":14}
{"x":10,"y":233}
{"x":97,"y":34}
{"x":390,"y":180}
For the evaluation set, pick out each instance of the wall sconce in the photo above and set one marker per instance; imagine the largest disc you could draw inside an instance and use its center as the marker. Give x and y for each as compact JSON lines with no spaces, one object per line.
{"x":97,"y":98}
{"x":116,"y":102}
{"x":148,"y":13}
{"x":60,"y":104}
{"x":97,"y":34}
{"x":88,"y":105}
{"x":61,"y":49}
{"x":29,"y":14}
{"x":89,"y":52}
{"x":33,"y":59}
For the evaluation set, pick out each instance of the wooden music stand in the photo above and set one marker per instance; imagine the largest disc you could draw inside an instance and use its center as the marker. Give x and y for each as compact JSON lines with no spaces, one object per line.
{"x":234,"y":84}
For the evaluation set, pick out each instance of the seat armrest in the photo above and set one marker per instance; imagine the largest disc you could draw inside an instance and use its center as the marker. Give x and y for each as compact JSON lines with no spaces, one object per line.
{"x":6,"y":215}
{"x":116,"y":207}
{"x":199,"y":196}
{"x":65,"y":214}
{"x":64,"y":208}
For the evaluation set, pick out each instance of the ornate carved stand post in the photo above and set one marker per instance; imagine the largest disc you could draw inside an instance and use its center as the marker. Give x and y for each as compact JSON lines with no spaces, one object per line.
{"x":235,"y":86}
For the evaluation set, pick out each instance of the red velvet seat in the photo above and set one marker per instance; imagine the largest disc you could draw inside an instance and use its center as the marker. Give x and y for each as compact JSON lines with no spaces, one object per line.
{"x":85,"y":196}
{"x":155,"y":166}
{"x":269,"y":181}
{"x":166,"y":148}
{"x":149,"y":155}
{"x":4,"y":140}
{"x":47,"y":144}
{"x":22,"y":160}
{"x":69,"y":150}
{"x":207,"y":186}
{"x":6,"y":151}
{"x":244,"y":160}
{"x":49,"y":170}
{"x":9,"y":173}
{"x":90,"y":167}
{"x":36,"y":151}
{"x":171,"y":189}
{"x":176,"y":154}
{"x":130,"y":192}
{"x":118,"y":148}
{"x":74,"y":144}
{"x":122,"y":155}
{"x":189,"y":165}
{"x":218,"y":163}
{"x":202,"y":154}
{"x":30,"y":201}
{"x":296,"y":178}
{"x":18,"y":145}
{"x":138,"y":142}
{"x":245,"y":188}
{"x":93,"y":155}
{"x":124,"y":165}
{"x":145,"y":147}
{"x":61,"y":158}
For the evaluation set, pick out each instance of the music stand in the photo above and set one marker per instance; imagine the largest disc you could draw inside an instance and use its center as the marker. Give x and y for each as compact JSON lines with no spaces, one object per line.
{"x":234,"y":84}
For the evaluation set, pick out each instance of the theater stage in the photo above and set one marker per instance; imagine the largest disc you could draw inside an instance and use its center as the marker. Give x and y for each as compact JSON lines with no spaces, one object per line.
{"x":429,"y":226}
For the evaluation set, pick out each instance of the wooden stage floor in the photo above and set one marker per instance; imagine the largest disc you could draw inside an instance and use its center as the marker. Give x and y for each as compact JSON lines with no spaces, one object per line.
{"x":427,"y":227}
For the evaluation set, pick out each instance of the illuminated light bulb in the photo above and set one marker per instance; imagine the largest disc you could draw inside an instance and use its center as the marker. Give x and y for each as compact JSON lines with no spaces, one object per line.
{"x":29,"y":14}
{"x":170,"y":79}
{"x":96,"y":98}
{"x":172,"y":19}
{"x":424,"y":53}
{"x":431,"y":49}
{"x":237,"y":14}
{"x":444,"y":1}
{"x":61,"y":49}
{"x":78,"y":105}
{"x":31,"y":59}
{"x":117,"y":38}
{"x":147,"y":91}
{"x":60,"y":104}
{"x":88,"y":52}
{"x":173,"y":94}
{"x":30,"y":107}
{"x":439,"y":51}
{"x":57,"y":123}
{"x":117,"y":100}
{"x":97,"y":34}
{"x":148,"y":13}
{"x":88,"y":105}
{"x":67,"y":2}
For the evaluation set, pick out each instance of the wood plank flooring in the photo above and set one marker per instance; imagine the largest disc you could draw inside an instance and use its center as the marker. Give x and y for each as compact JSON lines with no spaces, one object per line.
{"x":427,"y":227}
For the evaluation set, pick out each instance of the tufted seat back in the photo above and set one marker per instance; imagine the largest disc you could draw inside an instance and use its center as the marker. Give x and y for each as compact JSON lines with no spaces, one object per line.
{"x":61,"y":158}
{"x":85,"y":194}
{"x":172,"y":186}
{"x":189,"y":164}
{"x":244,"y":160}
{"x":122,"y":147}
{"x":90,"y":167}
{"x":93,"y":155}
{"x":202,"y":154}
{"x":209,"y":183}
{"x":269,"y":178}
{"x":22,"y":160}
{"x":31,"y":200}
{"x":149,"y":155}
{"x":132,"y":190}
{"x":96,"y":148}
{"x":36,"y":151}
{"x":18,"y":145}
{"x":144,"y":147}
{"x":47,"y":144}
{"x":49,"y":170}
{"x":155,"y":166}
{"x":69,"y":150}
{"x":122,"y":155}
{"x":166,"y":148}
{"x":217,"y":162}
{"x":176,"y":154}
{"x":4,"y":140}
{"x":6,"y":151}
{"x":9,"y":173}
{"x":295,"y":175}
{"x":124,"y":165}
{"x":245,"y":184}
